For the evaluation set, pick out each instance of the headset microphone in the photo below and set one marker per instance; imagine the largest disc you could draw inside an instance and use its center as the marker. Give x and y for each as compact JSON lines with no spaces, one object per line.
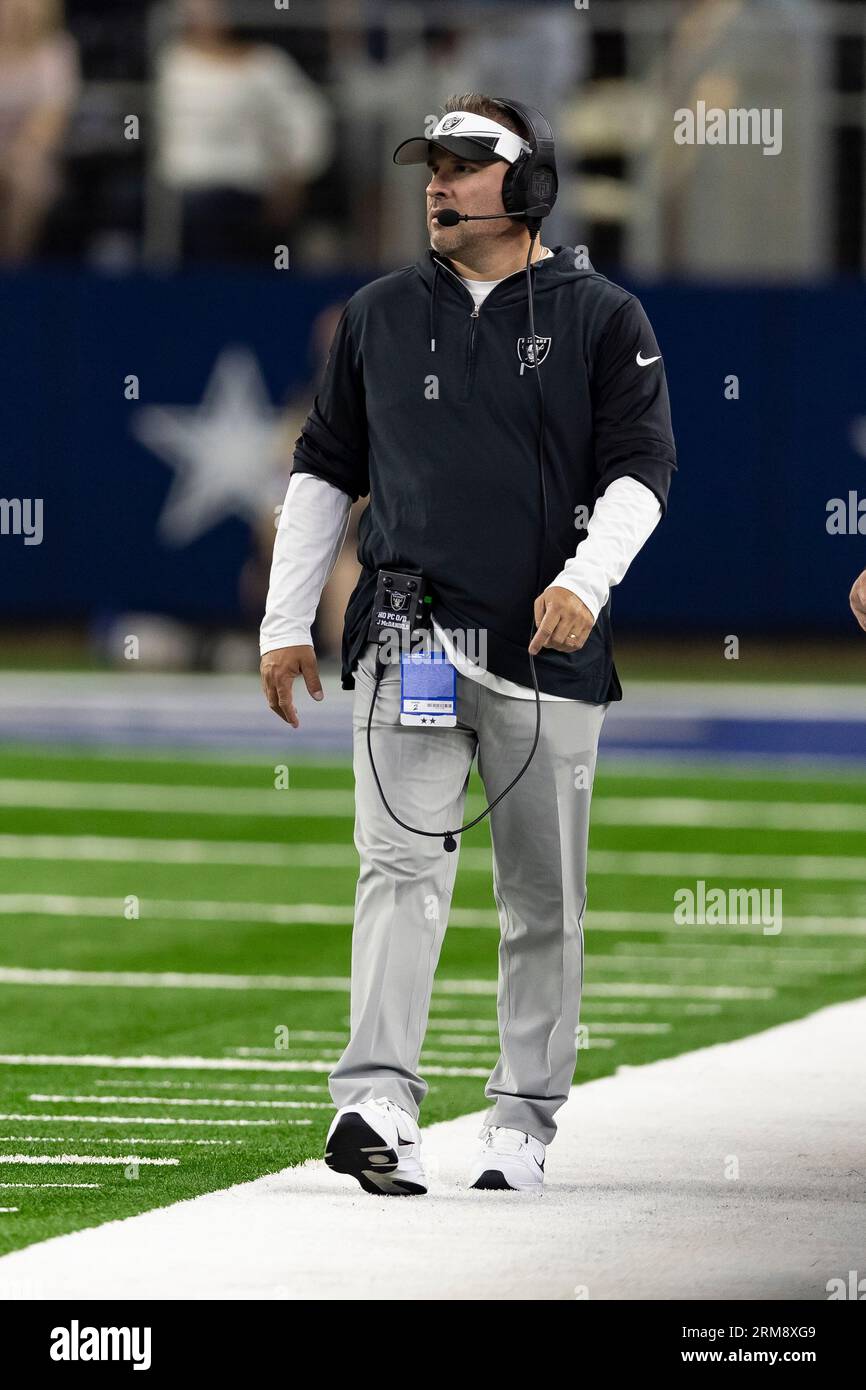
{"x":449,"y":217}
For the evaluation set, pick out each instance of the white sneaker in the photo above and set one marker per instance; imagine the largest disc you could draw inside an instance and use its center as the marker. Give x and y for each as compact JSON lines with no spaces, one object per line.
{"x":508,"y":1159}
{"x":378,"y":1143}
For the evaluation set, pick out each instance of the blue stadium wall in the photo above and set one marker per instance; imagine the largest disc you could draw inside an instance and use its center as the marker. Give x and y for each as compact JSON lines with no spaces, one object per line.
{"x":744,"y":547}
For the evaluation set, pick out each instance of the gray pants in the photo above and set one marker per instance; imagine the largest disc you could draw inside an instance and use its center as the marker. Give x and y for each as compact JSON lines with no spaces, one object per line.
{"x":539,"y":833}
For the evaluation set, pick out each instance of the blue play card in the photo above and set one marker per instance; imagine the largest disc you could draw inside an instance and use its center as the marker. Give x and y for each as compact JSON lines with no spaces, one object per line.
{"x":428,"y":689}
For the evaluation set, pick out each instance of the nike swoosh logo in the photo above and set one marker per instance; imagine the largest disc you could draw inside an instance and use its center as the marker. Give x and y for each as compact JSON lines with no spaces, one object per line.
{"x":645,"y":361}
{"x":401,"y":1140}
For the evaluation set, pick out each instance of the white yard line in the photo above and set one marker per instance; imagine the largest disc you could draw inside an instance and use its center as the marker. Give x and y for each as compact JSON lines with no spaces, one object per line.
{"x":150,"y":1062}
{"x":749,"y":867}
{"x":123,"y":1139}
{"x":135,"y":850}
{"x":131,"y":979}
{"x":177,"y":1100}
{"x":306,"y":802}
{"x":832,"y":817}
{"x":174,"y":1121}
{"x":38,"y":1160}
{"x":50,"y":1184}
{"x":315,"y":855}
{"x":173,"y":798}
{"x":639,"y":1202}
{"x":210,"y":1085}
{"x":335,"y":915}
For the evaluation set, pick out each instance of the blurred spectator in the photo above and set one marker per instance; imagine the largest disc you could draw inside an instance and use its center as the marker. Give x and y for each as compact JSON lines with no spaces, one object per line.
{"x":729,"y":211}
{"x":858,"y":599}
{"x":537,"y":58}
{"x":328,"y":629}
{"x":39,"y":85}
{"x":241,"y":130}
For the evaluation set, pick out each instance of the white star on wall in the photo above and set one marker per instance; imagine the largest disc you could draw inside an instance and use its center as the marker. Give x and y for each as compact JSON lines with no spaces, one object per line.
{"x":225,"y":452}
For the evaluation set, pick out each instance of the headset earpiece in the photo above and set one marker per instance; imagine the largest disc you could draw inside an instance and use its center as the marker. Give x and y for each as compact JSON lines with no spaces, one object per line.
{"x":532,"y":178}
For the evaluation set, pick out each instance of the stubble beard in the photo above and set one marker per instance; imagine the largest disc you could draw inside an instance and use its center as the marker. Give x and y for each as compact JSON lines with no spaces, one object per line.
{"x":454,"y":242}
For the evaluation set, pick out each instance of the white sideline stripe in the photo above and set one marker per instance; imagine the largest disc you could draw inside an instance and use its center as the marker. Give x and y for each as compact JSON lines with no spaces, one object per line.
{"x":147,"y":1120}
{"x":125,"y":1139}
{"x":661,"y":1129}
{"x":9,"y":1208}
{"x":50,"y":1184}
{"x":177,"y":1100}
{"x":47,"y":1059}
{"x":329,"y":914}
{"x":265,"y":854}
{"x":295,"y":983}
{"x":39,"y":1159}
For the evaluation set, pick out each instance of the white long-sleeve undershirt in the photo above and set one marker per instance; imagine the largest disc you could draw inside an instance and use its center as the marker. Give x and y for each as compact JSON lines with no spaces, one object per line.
{"x":312,"y":528}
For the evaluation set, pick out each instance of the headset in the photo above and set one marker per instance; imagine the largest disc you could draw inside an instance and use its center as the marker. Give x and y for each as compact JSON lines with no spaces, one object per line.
{"x":529,"y":190}
{"x":532,"y":178}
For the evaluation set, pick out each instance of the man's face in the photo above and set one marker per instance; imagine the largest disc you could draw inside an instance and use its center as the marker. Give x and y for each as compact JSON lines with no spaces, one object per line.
{"x":466,"y":186}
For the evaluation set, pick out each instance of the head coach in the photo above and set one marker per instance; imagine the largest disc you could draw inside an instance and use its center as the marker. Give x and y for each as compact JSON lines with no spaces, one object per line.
{"x":504,"y":406}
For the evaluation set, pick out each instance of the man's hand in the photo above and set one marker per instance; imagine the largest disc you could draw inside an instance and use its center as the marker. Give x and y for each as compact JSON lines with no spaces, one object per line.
{"x":279,"y":670}
{"x":562,"y":620}
{"x":857,"y":599}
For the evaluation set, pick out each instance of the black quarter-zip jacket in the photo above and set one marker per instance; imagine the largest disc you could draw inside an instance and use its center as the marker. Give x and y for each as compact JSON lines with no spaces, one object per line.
{"x":428,"y":405}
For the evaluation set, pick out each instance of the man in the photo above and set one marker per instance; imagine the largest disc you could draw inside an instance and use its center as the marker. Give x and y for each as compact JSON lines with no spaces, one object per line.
{"x":429,"y":405}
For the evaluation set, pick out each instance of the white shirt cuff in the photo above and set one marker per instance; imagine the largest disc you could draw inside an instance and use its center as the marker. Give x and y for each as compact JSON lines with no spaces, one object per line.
{"x":624,"y":517}
{"x":313,"y":525}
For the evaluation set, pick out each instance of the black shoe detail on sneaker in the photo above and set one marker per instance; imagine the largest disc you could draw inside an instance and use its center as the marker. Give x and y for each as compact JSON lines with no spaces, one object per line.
{"x":388,"y":1185}
{"x":355,"y":1147}
{"x":492,"y":1180}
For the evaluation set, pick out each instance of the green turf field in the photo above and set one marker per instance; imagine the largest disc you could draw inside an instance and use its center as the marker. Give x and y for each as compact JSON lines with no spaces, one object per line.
{"x":175,"y":957}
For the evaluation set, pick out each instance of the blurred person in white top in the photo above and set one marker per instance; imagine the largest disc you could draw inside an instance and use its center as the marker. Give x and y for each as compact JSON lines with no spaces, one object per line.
{"x":39,"y":85}
{"x":857,"y":599}
{"x":241,"y":130}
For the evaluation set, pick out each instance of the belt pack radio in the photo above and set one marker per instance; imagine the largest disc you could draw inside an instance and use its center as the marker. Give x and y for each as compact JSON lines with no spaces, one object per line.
{"x":401,"y":605}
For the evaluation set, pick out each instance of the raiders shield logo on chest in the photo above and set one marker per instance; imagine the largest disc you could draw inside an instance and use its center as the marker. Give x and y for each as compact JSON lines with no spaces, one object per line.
{"x":530,"y":354}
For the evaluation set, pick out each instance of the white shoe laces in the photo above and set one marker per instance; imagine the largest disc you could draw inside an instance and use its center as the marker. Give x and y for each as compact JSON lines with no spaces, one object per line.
{"x":505,"y":1140}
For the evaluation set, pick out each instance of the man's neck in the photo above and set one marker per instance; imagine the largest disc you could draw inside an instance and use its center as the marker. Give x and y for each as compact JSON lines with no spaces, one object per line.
{"x":496,"y":266}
